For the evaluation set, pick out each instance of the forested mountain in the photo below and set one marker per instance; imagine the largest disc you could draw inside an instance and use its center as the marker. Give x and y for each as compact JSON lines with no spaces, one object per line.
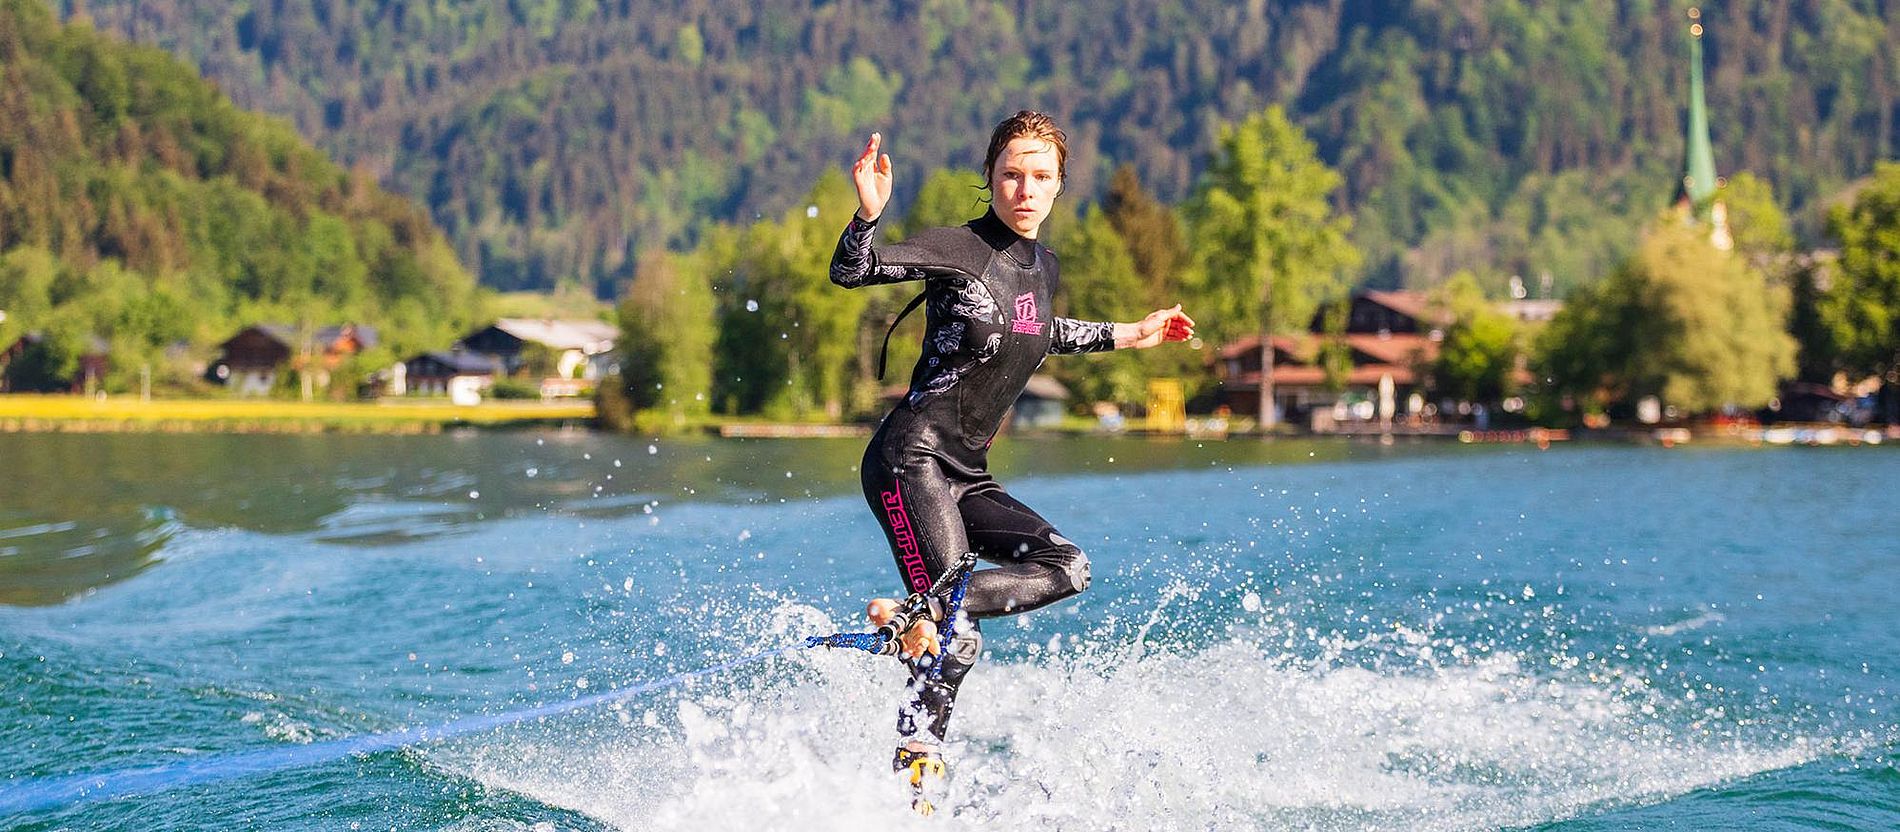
{"x":554,"y":139}
{"x":140,"y":208}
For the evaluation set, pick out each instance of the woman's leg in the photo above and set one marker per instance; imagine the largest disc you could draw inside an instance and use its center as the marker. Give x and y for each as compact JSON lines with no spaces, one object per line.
{"x":915,"y":504}
{"x":1036,"y":566}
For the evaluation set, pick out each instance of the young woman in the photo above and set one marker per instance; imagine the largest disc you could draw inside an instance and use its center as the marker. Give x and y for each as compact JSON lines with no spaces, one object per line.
{"x":988,"y":290}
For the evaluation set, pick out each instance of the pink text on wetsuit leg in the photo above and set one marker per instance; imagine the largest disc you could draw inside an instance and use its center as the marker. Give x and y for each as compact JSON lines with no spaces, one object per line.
{"x":906,"y":539}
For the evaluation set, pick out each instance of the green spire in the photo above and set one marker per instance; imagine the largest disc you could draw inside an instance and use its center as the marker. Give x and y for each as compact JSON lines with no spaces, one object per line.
{"x":1698,"y":154}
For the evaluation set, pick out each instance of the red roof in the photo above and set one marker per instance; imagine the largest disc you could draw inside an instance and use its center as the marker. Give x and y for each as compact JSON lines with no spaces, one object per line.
{"x":1298,"y":344}
{"x":1308,"y":376}
{"x":1414,"y":305}
{"x":1402,"y":349}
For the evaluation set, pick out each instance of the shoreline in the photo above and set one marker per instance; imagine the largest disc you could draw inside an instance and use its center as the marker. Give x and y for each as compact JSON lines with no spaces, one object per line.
{"x":36,"y":413}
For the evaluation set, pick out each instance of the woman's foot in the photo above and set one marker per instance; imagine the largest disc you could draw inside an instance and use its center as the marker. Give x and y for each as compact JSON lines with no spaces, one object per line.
{"x":922,"y":767}
{"x":880,"y":610}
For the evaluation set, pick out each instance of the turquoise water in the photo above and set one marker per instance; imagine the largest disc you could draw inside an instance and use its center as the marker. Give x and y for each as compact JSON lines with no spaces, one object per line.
{"x":1310,"y":636}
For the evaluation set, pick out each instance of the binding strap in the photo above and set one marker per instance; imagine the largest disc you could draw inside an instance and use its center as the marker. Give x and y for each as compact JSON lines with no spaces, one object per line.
{"x":884,"y":351}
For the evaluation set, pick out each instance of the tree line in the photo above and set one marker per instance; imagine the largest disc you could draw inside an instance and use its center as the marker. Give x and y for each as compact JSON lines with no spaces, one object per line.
{"x":140,"y":207}
{"x":142,"y":212}
{"x":557,"y":140}
{"x":746,"y":322}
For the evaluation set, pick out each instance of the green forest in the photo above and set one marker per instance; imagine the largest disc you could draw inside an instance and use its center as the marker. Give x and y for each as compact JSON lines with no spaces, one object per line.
{"x":556,"y":141}
{"x":142,"y":213}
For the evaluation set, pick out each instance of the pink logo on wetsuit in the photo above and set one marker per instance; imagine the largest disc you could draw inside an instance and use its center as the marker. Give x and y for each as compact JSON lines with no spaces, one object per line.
{"x":1026,"y":322}
{"x":906,"y":539}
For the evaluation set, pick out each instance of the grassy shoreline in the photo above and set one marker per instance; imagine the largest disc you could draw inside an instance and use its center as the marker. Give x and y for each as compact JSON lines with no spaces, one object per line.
{"x":23,"y":413}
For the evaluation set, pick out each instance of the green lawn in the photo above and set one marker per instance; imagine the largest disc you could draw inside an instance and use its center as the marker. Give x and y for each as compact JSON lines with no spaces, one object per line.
{"x":56,"y":413}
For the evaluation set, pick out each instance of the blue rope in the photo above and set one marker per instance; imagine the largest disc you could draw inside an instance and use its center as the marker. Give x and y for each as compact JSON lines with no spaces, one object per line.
{"x":868,"y":642}
{"x":55,"y":792}
{"x":950,"y":617}
{"x":42,"y":794}
{"x":877,"y":642}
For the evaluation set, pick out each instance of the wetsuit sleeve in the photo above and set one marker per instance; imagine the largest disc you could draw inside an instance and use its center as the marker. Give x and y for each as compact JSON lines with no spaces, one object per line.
{"x":856,"y":263}
{"x":1072,"y":337}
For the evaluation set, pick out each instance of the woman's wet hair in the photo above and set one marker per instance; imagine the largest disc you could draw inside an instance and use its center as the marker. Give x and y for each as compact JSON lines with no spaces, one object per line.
{"x":1028,"y":124}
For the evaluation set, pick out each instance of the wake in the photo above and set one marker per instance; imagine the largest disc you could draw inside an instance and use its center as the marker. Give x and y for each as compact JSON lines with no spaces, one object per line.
{"x":1267,"y":725}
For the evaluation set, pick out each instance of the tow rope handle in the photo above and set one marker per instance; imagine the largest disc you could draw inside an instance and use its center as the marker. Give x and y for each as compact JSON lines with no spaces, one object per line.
{"x":883,"y":640}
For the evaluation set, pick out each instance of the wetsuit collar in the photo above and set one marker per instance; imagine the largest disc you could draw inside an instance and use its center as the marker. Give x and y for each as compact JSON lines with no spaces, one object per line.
{"x":1001,"y":237}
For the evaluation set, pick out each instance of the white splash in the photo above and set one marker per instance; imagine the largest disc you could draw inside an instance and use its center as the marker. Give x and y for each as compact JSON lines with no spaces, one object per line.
{"x":1128,"y":734}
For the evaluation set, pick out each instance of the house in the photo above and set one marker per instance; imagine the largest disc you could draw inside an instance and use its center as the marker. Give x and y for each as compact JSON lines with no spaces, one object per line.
{"x":1041,"y":403}
{"x":1392,"y":337}
{"x":249,"y":362}
{"x":462,"y":376}
{"x":574,"y":349}
{"x":25,"y":366}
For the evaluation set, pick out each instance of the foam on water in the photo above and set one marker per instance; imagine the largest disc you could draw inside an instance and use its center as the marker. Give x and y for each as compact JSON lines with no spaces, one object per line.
{"x":1107,"y":731}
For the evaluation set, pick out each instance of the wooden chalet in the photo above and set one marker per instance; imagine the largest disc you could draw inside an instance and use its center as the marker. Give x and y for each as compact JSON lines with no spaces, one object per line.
{"x":23,"y":367}
{"x":1041,"y":404}
{"x":1392,"y":338}
{"x":583,"y":348}
{"x":250,"y":361}
{"x":458,"y":375}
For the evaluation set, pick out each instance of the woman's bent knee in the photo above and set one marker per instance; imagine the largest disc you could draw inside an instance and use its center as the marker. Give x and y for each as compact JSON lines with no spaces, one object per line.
{"x":1077,"y":569}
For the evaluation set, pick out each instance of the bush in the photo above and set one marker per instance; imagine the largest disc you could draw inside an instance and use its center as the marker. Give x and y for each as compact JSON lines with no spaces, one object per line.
{"x":509,"y":388}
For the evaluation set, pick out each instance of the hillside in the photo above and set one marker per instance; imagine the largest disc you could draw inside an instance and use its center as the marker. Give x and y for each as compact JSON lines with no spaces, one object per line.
{"x":553,"y":139}
{"x":140,"y":208}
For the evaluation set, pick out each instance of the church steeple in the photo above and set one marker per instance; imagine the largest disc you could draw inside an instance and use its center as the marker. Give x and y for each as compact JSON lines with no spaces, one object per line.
{"x":1696,"y":193}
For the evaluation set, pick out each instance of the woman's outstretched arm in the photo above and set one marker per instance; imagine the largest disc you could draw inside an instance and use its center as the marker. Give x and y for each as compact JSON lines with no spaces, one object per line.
{"x":1162,"y":325}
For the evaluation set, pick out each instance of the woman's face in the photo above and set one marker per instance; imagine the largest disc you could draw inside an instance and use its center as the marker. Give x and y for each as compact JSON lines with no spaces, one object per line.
{"x":1024,"y":182}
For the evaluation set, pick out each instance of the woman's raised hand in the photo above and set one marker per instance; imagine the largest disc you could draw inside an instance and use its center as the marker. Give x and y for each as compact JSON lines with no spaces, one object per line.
{"x":872,"y":174}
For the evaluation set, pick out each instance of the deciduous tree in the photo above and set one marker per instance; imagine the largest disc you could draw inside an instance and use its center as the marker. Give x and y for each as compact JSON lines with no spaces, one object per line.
{"x":1269,"y":245}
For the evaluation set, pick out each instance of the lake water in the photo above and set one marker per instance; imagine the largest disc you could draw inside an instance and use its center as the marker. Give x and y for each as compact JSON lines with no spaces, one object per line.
{"x":1281,"y":635}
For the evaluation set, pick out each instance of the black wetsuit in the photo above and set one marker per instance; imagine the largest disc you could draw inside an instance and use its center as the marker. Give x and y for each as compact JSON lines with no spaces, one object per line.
{"x":925,"y":474}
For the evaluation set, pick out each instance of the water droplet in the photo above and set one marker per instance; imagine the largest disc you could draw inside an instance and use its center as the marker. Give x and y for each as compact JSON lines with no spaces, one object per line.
{"x":751,"y":306}
{"x":474,"y":495}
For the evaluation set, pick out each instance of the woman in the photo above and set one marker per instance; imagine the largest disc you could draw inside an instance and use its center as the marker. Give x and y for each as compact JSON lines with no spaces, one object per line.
{"x":988,"y":288}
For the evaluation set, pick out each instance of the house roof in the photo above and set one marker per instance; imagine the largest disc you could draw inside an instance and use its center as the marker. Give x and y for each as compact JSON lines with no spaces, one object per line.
{"x":588,"y":336}
{"x":1301,"y":375}
{"x":462,"y":362}
{"x":322,"y":337}
{"x":1300,"y":344}
{"x":1045,"y":387}
{"x":1414,"y":305}
{"x":1397,"y":348}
